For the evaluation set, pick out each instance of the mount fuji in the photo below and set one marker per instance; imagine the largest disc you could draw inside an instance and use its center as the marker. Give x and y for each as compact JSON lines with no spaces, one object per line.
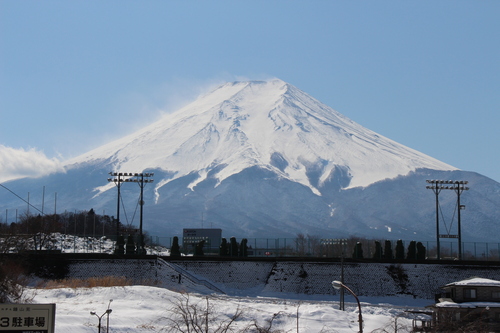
{"x":264,"y":159}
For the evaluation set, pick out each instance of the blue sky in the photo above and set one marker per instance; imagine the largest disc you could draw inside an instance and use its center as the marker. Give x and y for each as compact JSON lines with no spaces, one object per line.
{"x":76,"y":74}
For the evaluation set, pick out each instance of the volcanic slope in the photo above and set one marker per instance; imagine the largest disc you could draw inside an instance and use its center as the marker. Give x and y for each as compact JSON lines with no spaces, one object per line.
{"x":264,"y":159}
{"x":269,"y":124}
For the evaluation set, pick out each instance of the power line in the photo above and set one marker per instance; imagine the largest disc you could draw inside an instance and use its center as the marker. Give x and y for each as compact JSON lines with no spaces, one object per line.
{"x":41,"y":212}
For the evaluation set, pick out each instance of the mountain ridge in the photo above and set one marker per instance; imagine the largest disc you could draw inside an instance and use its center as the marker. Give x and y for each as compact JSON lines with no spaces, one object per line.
{"x":265,"y":159}
{"x":242,"y":124}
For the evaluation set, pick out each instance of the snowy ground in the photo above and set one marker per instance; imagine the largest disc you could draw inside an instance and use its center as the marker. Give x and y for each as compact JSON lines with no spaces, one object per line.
{"x":151,"y":309}
{"x":147,"y":309}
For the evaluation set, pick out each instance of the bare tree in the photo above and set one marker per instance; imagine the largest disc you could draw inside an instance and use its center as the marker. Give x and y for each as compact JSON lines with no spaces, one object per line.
{"x":267,"y":327}
{"x":13,"y":283}
{"x":187,"y":316}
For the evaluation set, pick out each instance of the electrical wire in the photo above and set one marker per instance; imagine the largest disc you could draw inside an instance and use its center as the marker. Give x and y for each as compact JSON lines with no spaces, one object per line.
{"x":22,"y":199}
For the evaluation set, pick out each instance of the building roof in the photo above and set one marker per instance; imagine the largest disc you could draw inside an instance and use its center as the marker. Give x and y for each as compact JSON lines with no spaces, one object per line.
{"x":475,"y":282}
{"x":470,"y":305}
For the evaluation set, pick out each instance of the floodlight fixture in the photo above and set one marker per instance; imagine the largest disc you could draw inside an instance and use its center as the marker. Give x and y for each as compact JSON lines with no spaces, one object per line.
{"x":141,"y":179}
{"x":118,"y":179}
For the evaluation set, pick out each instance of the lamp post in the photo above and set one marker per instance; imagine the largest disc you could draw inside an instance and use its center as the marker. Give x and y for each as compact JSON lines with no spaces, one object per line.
{"x":107,"y":319}
{"x":458,"y":186}
{"x":108,"y":311}
{"x":338,"y":285}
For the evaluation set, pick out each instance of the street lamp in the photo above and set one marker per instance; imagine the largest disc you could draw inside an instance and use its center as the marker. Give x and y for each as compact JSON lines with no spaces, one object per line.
{"x":107,"y":319}
{"x":338,"y":285}
{"x":108,"y":311}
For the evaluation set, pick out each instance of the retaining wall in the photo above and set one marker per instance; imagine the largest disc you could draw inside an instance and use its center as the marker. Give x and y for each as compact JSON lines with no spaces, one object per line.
{"x":312,"y":278}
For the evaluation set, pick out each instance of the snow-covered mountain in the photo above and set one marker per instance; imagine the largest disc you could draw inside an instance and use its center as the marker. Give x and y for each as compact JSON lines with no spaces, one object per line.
{"x":265,"y":159}
{"x":271,"y":125}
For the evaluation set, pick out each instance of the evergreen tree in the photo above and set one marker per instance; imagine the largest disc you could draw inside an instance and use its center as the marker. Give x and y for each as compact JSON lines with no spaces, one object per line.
{"x":175,"y":250}
{"x":412,"y":251}
{"x":388,"y":250}
{"x":198,"y":250}
{"x":223,"y":249}
{"x":120,"y":245}
{"x":233,"y":247}
{"x":378,"y":251}
{"x":400,"y":250}
{"x":244,"y":248}
{"x":140,"y":246}
{"x":358,"y":251}
{"x":421,"y":251}
{"x":130,"y":247}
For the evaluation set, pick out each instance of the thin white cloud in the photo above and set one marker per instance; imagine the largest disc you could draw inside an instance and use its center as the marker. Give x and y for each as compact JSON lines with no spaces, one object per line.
{"x":20,"y":163}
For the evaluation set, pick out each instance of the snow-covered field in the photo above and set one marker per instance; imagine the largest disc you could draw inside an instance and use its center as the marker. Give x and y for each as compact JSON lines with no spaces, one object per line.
{"x":151,"y":309}
{"x":142,"y":308}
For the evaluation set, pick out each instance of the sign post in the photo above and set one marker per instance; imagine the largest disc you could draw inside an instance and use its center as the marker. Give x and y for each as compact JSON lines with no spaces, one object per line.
{"x":27,"y":318}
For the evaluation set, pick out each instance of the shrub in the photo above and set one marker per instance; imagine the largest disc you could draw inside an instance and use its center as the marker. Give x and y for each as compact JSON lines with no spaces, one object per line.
{"x":388,"y":250}
{"x":13,"y":282}
{"x":223,"y":249}
{"x":400,"y":250}
{"x":412,"y":251}
{"x":233,"y":247}
{"x":175,"y":250}
{"x":378,"y":251}
{"x":104,"y":281}
{"x":358,"y":251}
{"x":201,"y":316}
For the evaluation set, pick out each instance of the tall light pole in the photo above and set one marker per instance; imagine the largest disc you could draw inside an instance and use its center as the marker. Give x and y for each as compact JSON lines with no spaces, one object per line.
{"x":459,"y":189}
{"x":127,"y":177}
{"x":458,"y":186}
{"x":141,"y":179}
{"x":339,"y":285}
{"x":118,"y":179}
{"x":436,"y":189}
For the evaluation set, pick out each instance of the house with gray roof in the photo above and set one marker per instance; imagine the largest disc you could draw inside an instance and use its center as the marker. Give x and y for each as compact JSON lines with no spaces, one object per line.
{"x":472,"y":304}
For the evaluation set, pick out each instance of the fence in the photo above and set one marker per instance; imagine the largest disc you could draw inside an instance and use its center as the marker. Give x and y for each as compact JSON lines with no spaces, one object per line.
{"x":258,"y":247}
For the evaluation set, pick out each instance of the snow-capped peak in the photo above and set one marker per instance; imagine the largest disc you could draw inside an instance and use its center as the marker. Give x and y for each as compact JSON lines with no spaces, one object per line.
{"x":270,"y":124}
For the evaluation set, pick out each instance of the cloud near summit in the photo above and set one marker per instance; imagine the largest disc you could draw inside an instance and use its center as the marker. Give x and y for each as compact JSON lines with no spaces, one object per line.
{"x":19,"y":163}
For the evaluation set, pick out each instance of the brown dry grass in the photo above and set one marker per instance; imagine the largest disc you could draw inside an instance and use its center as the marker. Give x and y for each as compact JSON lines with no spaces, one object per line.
{"x":106,"y":281}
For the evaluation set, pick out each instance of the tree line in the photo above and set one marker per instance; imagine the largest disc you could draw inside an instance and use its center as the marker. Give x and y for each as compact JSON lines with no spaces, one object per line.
{"x":37,"y":232}
{"x":415,"y":251}
{"x":226,"y":249}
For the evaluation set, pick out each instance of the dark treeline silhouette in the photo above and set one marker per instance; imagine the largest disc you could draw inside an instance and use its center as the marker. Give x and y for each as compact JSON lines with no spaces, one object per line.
{"x":415,"y":251}
{"x":82,"y":223}
{"x":37,"y":232}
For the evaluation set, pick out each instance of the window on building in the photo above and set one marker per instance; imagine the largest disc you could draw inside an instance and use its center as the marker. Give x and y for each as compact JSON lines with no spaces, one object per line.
{"x":470,"y":293}
{"x":495,"y":295}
